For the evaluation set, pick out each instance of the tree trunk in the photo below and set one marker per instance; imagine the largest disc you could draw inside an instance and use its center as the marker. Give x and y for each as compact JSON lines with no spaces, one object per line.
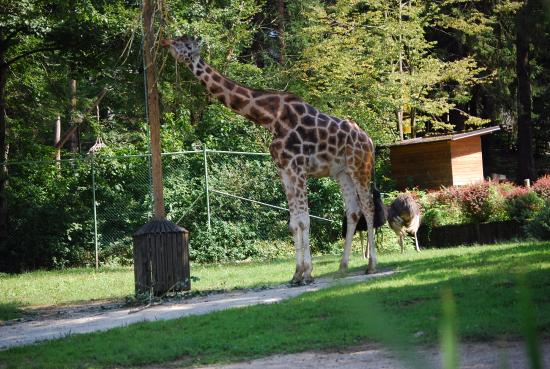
{"x":75,"y":137}
{"x":153,"y":108}
{"x":3,"y":152}
{"x":526,"y":164}
{"x":281,"y":30}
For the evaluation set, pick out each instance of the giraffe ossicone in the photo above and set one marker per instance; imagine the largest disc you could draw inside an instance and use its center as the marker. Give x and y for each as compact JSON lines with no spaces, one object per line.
{"x":306,"y":142}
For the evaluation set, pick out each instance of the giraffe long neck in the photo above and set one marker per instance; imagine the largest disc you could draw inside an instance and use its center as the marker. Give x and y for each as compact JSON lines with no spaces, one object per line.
{"x":258,"y":106}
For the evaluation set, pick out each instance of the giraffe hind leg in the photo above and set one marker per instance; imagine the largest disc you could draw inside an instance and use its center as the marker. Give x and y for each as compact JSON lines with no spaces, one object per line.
{"x":367,"y":207}
{"x":353,"y":215}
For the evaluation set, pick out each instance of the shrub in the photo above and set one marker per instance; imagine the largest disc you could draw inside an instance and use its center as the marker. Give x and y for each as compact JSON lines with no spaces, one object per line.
{"x":482,"y":202}
{"x":522,"y":204}
{"x":542,"y":187}
{"x":539,"y":227}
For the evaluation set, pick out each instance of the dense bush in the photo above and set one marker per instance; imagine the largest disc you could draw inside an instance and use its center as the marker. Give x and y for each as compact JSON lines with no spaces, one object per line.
{"x":481,"y":201}
{"x":542,"y":187}
{"x":522,"y":204}
{"x":539,"y":227}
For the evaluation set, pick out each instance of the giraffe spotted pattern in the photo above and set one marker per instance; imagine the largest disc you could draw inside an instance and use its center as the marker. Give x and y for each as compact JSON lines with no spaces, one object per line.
{"x":306,"y":142}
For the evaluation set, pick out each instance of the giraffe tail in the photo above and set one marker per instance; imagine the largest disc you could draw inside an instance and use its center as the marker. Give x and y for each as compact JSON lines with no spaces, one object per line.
{"x":380,"y":210}
{"x":380,"y":214}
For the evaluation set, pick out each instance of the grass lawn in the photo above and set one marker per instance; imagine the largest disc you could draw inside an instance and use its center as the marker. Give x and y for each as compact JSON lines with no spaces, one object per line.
{"x":405,"y":307}
{"x":80,"y":285}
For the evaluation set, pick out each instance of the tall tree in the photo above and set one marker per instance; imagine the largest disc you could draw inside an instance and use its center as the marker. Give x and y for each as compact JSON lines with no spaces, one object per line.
{"x":526,"y":163}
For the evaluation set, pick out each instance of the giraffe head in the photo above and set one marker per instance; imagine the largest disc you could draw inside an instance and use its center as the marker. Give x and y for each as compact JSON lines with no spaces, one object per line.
{"x":184,"y":48}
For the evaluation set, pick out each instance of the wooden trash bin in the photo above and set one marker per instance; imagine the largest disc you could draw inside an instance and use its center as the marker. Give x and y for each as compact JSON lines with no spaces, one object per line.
{"x":161,"y":258}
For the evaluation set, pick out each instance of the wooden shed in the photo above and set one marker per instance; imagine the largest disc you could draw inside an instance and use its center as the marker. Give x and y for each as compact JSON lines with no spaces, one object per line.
{"x":432,"y":162}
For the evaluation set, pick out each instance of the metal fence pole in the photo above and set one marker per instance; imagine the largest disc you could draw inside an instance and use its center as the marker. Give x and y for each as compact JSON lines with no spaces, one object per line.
{"x":207,"y":190}
{"x":95,"y":215}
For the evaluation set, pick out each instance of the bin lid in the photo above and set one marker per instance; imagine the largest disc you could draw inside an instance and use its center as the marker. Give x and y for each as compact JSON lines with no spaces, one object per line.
{"x":159,"y":226}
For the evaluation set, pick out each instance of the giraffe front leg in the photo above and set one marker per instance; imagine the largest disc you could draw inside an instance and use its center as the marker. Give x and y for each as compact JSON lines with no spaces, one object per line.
{"x":299,"y":226}
{"x":295,"y":189}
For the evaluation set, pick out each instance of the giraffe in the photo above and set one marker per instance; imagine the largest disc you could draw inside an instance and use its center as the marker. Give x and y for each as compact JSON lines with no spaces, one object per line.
{"x":305,"y":142}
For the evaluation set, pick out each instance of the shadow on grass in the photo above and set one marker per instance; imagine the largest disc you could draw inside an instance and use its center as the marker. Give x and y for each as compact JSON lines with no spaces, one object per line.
{"x":9,"y":311}
{"x":398,"y":311}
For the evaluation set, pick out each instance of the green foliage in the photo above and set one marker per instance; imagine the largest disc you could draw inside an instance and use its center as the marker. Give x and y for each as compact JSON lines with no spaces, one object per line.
{"x":522,"y":204}
{"x":50,"y":220}
{"x":457,"y":64}
{"x":539,"y":227}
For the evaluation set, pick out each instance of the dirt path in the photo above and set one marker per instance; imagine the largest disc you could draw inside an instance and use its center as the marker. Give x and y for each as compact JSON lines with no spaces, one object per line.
{"x":371,"y":356}
{"x":89,"y":319}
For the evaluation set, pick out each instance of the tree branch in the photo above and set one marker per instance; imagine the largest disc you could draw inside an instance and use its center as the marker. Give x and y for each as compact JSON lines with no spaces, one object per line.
{"x":30,"y":52}
{"x":13,"y":33}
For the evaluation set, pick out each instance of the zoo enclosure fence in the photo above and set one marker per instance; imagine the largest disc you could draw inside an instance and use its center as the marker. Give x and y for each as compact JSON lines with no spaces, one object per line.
{"x":102,"y":200}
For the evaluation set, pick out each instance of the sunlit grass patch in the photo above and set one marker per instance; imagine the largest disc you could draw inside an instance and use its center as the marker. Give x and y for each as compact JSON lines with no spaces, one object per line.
{"x":402,"y":309}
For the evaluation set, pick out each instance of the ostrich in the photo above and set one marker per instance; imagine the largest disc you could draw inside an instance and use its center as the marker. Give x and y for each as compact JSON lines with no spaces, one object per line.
{"x":403,"y":216}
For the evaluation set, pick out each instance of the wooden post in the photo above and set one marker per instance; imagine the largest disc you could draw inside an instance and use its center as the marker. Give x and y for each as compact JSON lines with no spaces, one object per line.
{"x":153,"y":111}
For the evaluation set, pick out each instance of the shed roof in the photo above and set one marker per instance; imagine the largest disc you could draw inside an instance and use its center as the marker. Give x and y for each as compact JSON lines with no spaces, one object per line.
{"x":449,"y":137}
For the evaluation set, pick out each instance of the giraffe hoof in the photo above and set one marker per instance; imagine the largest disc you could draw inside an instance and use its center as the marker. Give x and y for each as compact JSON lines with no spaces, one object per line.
{"x":343,"y":270}
{"x":370,"y":271}
{"x":295,"y":282}
{"x":308,"y":280}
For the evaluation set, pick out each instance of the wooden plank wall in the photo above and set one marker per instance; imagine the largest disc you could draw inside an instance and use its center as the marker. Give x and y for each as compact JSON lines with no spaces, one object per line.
{"x":426,"y":165}
{"x":467,"y":161}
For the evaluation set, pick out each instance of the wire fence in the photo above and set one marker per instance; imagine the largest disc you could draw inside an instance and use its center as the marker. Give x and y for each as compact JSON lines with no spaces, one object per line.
{"x":231,"y":202}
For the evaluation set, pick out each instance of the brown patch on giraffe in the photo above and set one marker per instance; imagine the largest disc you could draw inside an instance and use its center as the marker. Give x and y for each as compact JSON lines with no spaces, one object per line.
{"x":333,"y":128}
{"x":230,"y":85}
{"x":311,"y":110}
{"x":299,"y":108}
{"x":242,"y":91}
{"x":208,"y":70}
{"x":215,"y":89}
{"x":268,"y":101}
{"x":308,"y":120}
{"x":322,"y":146}
{"x":332,"y":140}
{"x":345,"y":125}
{"x":323,"y":123}
{"x":323,"y":117}
{"x":256,"y":93}
{"x":258,"y":116}
{"x":221,"y":99}
{"x":237,"y":102}
{"x":216,"y":77}
{"x":332,"y":149}
{"x":307,"y":135}
{"x":203,"y":82}
{"x":290,"y":116}
{"x":198,"y":72}
{"x":341,"y":137}
{"x":324,"y":156}
{"x":323,"y":134}
{"x":293,"y":143}
{"x":308,"y":149}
